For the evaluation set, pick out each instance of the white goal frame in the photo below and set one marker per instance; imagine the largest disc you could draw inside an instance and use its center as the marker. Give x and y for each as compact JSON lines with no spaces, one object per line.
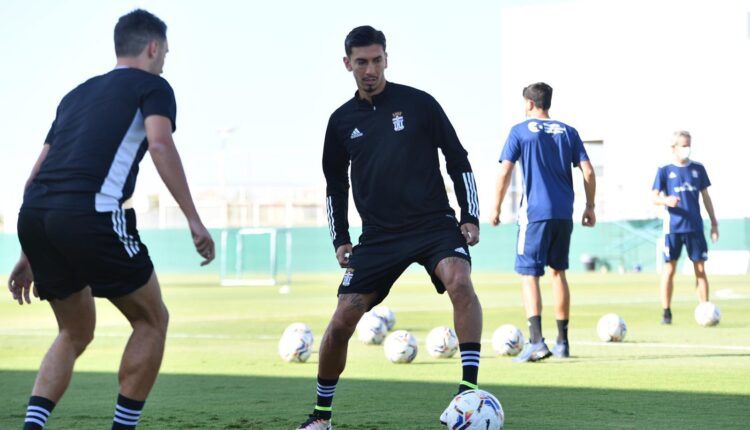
{"x":237,"y":279}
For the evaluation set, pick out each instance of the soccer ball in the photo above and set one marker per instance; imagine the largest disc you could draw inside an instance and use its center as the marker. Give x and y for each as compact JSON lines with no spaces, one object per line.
{"x":296,"y":343}
{"x":386,"y":315}
{"x":611,"y":328}
{"x":507,"y":340}
{"x":707,"y":314}
{"x":371,"y":330}
{"x":400,"y":347}
{"x":474,"y":409}
{"x":442,"y":342}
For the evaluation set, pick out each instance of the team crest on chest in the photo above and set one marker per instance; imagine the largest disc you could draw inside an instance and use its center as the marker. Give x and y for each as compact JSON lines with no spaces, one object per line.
{"x":398,"y":121}
{"x":695,"y":174}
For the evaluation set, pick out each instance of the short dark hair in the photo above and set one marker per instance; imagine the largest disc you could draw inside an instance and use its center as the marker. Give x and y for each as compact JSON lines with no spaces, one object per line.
{"x":135,"y":30}
{"x":539,"y":93}
{"x":363,"y":36}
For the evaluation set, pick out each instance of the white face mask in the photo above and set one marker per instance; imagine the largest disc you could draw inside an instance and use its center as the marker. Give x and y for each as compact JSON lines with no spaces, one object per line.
{"x":683,"y":152}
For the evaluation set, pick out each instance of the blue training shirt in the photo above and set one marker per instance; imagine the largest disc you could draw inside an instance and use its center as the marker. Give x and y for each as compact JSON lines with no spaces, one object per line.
{"x":685,"y":182}
{"x":548,"y":150}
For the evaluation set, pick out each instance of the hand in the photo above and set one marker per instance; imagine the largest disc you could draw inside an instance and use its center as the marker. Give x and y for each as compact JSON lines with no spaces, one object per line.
{"x":714,"y":233}
{"x":342,"y":254}
{"x":495,"y":217}
{"x":589,"y":217}
{"x":203,"y":242}
{"x":671,"y":201}
{"x":471,"y":233}
{"x":20,"y":280}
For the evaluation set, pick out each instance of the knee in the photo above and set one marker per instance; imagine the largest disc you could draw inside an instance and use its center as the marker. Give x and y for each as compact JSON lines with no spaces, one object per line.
{"x":669,"y":270}
{"x":155,"y":323}
{"x":340,"y":330}
{"x":461,"y":292}
{"x":78,"y":339}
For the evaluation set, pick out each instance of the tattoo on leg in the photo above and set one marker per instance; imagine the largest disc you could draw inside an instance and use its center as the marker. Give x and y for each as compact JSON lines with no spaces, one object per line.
{"x":450,"y":264}
{"x":354,"y":300}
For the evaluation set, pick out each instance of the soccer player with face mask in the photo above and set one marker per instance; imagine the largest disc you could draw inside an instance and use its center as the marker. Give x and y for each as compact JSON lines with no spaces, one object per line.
{"x":678,"y":187}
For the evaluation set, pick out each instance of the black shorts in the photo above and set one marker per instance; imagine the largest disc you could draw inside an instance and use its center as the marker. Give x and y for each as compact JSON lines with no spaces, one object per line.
{"x":380,"y":258}
{"x":69,"y":251}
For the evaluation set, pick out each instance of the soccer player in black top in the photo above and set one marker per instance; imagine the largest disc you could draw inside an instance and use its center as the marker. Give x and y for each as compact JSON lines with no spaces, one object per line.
{"x":78,"y":237}
{"x":390,"y":134}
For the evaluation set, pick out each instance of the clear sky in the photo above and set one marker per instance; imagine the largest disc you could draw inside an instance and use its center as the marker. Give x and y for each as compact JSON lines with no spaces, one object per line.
{"x":272,"y":70}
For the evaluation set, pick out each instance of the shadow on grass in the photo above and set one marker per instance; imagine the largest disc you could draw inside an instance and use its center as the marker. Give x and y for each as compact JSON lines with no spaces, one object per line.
{"x":256,"y":402}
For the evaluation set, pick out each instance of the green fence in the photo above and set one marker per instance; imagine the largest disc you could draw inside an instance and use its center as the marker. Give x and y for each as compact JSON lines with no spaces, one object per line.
{"x":616,"y":244}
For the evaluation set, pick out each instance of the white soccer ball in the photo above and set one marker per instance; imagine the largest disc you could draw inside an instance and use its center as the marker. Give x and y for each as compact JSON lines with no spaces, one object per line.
{"x":507,"y":340}
{"x":400,"y":347}
{"x":707,"y":314}
{"x":611,"y":328}
{"x":386,"y":315}
{"x":474,"y":409}
{"x":371,"y":330}
{"x":296,"y":343}
{"x":442,"y":342}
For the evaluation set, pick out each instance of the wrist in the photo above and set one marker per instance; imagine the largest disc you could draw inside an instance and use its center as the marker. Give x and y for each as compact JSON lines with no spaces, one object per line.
{"x":590,"y":205}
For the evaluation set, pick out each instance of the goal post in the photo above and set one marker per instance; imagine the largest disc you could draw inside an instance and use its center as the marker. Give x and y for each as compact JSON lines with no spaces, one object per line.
{"x":238,"y":275}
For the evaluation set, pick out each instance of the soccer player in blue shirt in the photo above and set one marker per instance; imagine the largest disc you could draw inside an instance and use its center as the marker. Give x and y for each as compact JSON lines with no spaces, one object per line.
{"x":678,"y":187}
{"x":548,"y":149}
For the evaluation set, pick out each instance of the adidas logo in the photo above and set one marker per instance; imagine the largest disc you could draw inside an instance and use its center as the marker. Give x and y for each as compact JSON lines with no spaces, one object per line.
{"x":461,"y":251}
{"x":672,"y":175}
{"x":355,"y":134}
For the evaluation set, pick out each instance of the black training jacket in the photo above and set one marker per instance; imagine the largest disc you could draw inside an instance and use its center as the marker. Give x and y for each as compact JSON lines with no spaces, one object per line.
{"x":392,"y":146}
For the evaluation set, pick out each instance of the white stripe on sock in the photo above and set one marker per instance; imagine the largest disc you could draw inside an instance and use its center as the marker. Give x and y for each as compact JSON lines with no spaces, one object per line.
{"x":35,"y":421}
{"x":36,"y":415}
{"x":125,"y":423}
{"x":38,"y":409}
{"x":125,"y":416}
{"x":127,"y":411}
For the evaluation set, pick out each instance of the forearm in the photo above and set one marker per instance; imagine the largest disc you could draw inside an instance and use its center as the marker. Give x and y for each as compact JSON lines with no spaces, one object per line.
{"x":501,"y":188}
{"x":168,"y":164}
{"x":589,"y":187}
{"x":710,"y":209}
{"x":465,"y":187}
{"x":503,"y":183}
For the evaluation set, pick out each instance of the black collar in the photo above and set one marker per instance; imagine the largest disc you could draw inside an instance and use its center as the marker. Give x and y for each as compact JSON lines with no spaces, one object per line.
{"x":376,"y":99}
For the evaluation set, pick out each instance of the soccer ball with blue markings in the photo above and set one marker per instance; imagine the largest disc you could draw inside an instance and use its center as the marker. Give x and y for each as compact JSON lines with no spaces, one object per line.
{"x":371,"y":330}
{"x":386,"y":315}
{"x":296,"y":343}
{"x":474,"y":410}
{"x":400,"y":347}
{"x":507,"y":340}
{"x":442,"y":342}
{"x":611,"y":328}
{"x":707,"y":314}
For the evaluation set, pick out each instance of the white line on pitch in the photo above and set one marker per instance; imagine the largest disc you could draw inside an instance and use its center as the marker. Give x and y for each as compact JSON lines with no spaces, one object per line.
{"x":666,"y":345}
{"x":656,"y":345}
{"x":169,"y":335}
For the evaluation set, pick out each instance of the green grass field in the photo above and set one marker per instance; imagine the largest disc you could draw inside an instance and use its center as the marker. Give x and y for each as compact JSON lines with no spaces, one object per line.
{"x":221,"y":369}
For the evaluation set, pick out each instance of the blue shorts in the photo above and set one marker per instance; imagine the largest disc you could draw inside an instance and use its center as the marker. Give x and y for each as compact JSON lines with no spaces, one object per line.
{"x":695,"y":242}
{"x":543,"y":243}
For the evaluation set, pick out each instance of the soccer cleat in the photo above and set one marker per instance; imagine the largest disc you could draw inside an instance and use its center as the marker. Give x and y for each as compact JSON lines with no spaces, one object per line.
{"x":561,"y":349}
{"x":666,"y":320}
{"x":314,"y":422}
{"x":533,"y":352}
